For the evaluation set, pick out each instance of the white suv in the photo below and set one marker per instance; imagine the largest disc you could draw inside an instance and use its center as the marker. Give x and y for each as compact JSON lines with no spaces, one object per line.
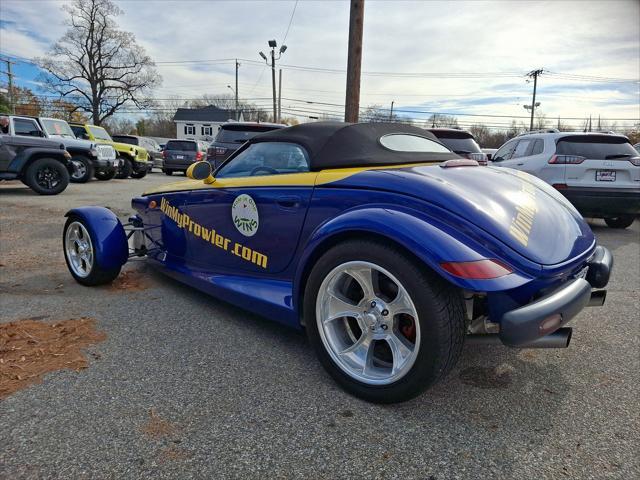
{"x":598,"y":172}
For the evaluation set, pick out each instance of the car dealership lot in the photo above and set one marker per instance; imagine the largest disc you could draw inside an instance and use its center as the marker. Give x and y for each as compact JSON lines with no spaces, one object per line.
{"x":185,"y":385}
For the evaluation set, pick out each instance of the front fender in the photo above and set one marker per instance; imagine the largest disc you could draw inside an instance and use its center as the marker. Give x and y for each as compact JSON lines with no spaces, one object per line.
{"x":107,"y":233}
{"x":30,"y":154}
{"x":432,"y":241}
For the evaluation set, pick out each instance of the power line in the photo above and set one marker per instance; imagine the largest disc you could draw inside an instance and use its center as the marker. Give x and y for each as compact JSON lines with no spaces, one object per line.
{"x":290,"y":20}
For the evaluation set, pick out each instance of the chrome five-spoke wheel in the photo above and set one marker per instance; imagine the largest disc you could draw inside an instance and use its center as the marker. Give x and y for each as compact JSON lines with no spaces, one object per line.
{"x":79,"y":249}
{"x":368,"y":323}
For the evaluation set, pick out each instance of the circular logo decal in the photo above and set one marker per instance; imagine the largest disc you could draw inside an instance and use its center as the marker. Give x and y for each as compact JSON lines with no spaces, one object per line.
{"x":244,"y":213}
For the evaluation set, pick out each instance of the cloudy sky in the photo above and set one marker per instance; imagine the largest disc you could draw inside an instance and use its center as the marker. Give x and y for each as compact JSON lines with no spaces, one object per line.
{"x":426,"y":56}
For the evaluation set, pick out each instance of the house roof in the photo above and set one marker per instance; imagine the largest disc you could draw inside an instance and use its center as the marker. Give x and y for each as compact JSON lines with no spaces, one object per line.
{"x":206,"y":114}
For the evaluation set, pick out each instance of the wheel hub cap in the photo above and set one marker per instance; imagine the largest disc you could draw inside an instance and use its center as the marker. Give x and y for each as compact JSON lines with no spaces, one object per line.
{"x":362,"y":311}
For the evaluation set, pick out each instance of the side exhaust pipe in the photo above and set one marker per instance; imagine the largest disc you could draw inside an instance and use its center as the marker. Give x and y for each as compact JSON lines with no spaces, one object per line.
{"x":597,"y":298}
{"x":558,"y":339}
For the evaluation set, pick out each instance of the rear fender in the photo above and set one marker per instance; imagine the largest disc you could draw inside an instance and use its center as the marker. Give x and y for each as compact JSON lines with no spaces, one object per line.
{"x":110,"y":240}
{"x":429,"y":240}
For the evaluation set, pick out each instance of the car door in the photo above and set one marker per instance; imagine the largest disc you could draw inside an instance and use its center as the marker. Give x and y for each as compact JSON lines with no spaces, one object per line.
{"x":251,"y":217}
{"x":7,"y":152}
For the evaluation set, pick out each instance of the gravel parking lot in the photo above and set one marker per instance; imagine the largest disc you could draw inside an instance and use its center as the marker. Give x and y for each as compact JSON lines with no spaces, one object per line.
{"x":187,"y":386}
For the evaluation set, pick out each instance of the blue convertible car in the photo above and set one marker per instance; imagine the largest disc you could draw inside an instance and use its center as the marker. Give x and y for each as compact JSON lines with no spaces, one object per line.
{"x":386,"y":247}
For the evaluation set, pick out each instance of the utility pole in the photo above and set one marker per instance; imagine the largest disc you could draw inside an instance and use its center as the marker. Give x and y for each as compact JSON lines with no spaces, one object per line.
{"x":391,"y":112}
{"x":279,"y":96}
{"x":236,"y":92}
{"x":273,"y":44}
{"x":10,"y":83}
{"x":534,"y":74}
{"x":354,"y":61}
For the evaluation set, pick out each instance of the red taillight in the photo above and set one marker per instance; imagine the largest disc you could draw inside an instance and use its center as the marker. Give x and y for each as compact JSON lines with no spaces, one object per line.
{"x":198,"y":156}
{"x":559,"y":186}
{"x":567,"y":159}
{"x":164,"y":154}
{"x":478,"y":270}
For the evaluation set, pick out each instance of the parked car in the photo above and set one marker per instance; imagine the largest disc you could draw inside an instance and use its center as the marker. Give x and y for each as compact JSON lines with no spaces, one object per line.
{"x":637,"y":147}
{"x":232,"y":135}
{"x":178,"y":155}
{"x":135,"y":160}
{"x":87,"y":157}
{"x":41,"y":164}
{"x":387,"y":247}
{"x":149,"y":144}
{"x":460,"y":142}
{"x":598,"y":173}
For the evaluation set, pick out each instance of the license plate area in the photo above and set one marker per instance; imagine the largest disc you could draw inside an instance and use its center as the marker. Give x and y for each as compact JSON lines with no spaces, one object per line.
{"x":179,"y":157}
{"x":605,"y":176}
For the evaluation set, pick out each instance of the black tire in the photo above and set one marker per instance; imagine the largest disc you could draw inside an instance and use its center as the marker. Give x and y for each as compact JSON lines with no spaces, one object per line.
{"x":97,"y":275}
{"x":104,"y":175}
{"x":125,"y":170}
{"x":440,"y":316}
{"x":83,"y":169}
{"x":623,"y":221}
{"x":139,"y":174}
{"x":47,"y":176}
{"x":167,"y":171}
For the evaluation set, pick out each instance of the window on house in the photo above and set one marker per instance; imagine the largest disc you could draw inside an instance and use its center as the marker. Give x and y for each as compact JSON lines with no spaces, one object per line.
{"x":207,"y":130}
{"x":189,"y":129}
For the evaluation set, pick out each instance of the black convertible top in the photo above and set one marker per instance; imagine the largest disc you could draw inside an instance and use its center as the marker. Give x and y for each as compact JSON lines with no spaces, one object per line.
{"x":341,"y":145}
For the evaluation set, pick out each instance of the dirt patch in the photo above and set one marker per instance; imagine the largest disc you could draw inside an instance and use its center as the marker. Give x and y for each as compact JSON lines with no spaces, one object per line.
{"x":157,"y":427}
{"x":130,"y":281}
{"x":483,"y":377}
{"x":174,"y":454}
{"x":31,"y":348}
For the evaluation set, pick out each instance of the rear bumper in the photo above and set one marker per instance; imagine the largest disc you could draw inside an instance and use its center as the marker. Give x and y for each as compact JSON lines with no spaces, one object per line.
{"x":177,"y":165}
{"x":604,"y":202}
{"x":542,"y":317}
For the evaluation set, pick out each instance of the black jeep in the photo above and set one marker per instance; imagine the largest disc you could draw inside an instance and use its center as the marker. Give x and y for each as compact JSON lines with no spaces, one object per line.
{"x":41,"y":164}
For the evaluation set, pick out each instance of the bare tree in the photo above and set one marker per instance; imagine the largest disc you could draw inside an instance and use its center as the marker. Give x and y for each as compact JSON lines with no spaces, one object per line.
{"x":376,"y":114}
{"x":96,"y":65}
{"x":440,"y":120}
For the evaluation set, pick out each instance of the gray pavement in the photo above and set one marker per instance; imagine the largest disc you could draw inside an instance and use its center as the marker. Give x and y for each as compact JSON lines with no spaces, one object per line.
{"x":235,"y":396}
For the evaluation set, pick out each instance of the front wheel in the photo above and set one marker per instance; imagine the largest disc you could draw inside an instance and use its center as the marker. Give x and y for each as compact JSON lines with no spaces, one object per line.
{"x":139,"y":174}
{"x":125,"y":170}
{"x":104,"y":175}
{"x":82,"y":169}
{"x":382,"y":325}
{"x":623,"y":221}
{"x":80,"y":254}
{"x":47,"y":176}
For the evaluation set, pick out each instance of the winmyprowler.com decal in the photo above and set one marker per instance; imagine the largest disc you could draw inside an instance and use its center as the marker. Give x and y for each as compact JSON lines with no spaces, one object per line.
{"x":212,"y":237}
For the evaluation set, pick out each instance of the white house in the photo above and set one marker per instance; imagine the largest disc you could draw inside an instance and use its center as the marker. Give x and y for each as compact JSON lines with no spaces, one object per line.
{"x":201,"y":123}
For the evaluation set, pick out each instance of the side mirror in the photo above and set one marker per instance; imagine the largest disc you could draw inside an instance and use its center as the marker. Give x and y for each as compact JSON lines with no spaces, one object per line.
{"x":201,"y":171}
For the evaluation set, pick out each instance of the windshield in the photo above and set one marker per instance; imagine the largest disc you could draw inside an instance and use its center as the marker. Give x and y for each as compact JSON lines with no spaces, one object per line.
{"x":460,"y":145}
{"x":597,"y":147}
{"x":125,"y":139}
{"x":235,"y":135}
{"x":100,"y":133}
{"x":57,"y":128}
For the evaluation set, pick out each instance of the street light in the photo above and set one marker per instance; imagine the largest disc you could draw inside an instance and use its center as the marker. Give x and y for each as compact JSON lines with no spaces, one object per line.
{"x":273,"y":45}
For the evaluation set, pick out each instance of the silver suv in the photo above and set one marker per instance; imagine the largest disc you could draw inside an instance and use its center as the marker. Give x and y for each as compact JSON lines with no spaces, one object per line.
{"x":599,"y":173}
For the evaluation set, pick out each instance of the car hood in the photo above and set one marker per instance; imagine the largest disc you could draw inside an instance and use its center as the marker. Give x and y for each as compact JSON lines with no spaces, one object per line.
{"x":518,"y":209}
{"x":72,"y":142}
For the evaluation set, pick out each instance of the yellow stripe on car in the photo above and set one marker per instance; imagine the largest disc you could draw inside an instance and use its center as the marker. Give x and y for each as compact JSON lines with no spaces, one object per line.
{"x":306,"y":179}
